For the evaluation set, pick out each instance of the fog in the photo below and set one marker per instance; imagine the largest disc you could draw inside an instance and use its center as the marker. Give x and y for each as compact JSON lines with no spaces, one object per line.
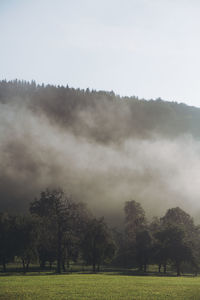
{"x":36,"y":153}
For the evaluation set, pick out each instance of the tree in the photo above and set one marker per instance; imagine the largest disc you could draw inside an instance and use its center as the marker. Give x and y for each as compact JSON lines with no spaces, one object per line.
{"x":7,"y":238}
{"x":26,"y":235}
{"x":135,"y":221}
{"x":46,"y":244}
{"x":159,"y":251}
{"x":122,"y":253}
{"x":178,"y":217}
{"x":97,"y":246}
{"x":143,"y":248}
{"x":160,"y":248}
{"x":172,"y":246}
{"x":186,"y":232}
{"x":59,"y":218}
{"x":178,"y":248}
{"x":134,"y":217}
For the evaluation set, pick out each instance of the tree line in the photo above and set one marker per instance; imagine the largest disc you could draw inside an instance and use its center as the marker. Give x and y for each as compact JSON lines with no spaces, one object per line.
{"x":99,"y":117}
{"x":113,"y":117}
{"x":60,"y":230}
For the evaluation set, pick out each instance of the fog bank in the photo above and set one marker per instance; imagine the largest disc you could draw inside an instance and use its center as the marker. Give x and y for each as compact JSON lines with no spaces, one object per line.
{"x":35,"y":153}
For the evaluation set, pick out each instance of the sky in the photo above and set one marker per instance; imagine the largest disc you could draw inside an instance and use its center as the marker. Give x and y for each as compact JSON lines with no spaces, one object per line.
{"x":146,"y":48}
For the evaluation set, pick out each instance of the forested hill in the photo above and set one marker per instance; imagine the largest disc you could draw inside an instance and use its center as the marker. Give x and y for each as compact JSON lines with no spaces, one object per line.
{"x":102,"y":115}
{"x":100,"y":148}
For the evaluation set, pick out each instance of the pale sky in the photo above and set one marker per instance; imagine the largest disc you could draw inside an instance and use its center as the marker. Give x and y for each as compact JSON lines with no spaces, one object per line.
{"x":146,"y":48}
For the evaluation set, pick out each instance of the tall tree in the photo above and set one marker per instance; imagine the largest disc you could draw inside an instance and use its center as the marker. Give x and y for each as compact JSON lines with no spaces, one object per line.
{"x":98,"y":246}
{"x":134,"y":217}
{"x":177,"y":216}
{"x":26,"y":234}
{"x":191,"y":236}
{"x":135,"y":222}
{"x":60,"y":216}
{"x":7,"y":239}
{"x":177,"y":246}
{"x":143,"y":249}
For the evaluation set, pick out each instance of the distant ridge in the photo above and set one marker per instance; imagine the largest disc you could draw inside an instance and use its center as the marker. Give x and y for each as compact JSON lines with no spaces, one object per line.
{"x":101,"y":115}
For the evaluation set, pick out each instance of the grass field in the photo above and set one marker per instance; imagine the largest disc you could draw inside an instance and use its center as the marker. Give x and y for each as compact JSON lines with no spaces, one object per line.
{"x":100,"y":286}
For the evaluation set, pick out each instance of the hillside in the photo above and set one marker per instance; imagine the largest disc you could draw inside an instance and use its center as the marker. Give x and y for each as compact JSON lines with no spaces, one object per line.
{"x":101,"y":148}
{"x":103,"y":116}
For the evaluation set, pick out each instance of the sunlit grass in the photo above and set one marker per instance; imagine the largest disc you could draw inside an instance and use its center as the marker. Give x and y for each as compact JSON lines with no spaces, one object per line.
{"x":100,"y":286}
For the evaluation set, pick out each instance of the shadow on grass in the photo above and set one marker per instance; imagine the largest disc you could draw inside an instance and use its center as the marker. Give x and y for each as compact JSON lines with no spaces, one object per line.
{"x":35,"y":271}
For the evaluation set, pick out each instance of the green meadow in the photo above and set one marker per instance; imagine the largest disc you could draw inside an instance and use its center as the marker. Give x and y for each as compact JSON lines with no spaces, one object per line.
{"x":97,"y":287}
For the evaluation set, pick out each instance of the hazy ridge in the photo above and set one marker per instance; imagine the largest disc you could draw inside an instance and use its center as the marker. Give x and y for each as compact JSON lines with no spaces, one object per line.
{"x":101,"y":148}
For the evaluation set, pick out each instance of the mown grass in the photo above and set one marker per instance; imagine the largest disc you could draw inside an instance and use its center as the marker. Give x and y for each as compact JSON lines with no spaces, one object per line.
{"x":97,"y":286}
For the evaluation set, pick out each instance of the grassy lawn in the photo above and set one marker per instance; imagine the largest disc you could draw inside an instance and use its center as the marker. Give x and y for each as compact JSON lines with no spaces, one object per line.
{"x":101,"y":287}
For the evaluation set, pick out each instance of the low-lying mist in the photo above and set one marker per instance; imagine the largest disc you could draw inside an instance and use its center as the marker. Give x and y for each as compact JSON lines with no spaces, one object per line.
{"x":36,"y":153}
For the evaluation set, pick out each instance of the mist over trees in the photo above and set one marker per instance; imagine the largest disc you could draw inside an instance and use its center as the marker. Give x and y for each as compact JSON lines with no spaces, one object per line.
{"x":101,"y":148}
{"x":61,"y":232}
{"x":100,"y":115}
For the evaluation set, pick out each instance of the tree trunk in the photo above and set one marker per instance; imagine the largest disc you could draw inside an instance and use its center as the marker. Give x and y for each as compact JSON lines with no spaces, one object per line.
{"x":159,"y":268}
{"x":94,"y":257}
{"x":59,"y":252}
{"x":4,"y":265}
{"x":58,"y":265}
{"x":63,"y":265}
{"x":178,"y":269}
{"x":165,"y":268}
{"x":94,"y":266}
{"x":42,"y":264}
{"x":141,"y":268}
{"x":27,"y":266}
{"x":67,"y":263}
{"x":145,"y":268}
{"x":24,"y":266}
